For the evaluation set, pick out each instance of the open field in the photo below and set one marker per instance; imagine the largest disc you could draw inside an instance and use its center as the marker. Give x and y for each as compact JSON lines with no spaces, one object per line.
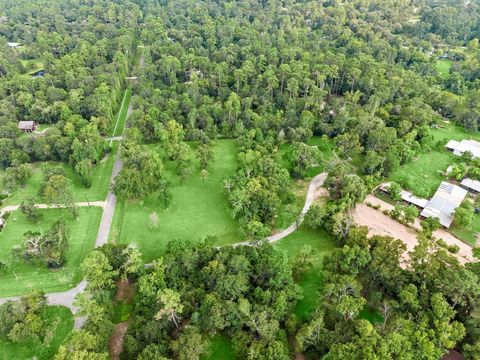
{"x":425,"y":172}
{"x":197,"y":209}
{"x":443,"y":66}
{"x":60,"y":323}
{"x":25,"y":277}
{"x":98,"y":190}
{"x":311,"y":281}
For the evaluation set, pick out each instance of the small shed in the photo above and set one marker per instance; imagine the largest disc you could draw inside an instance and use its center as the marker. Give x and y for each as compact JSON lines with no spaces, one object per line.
{"x":14,"y":45}
{"x":471,"y":185}
{"x":27,"y":126}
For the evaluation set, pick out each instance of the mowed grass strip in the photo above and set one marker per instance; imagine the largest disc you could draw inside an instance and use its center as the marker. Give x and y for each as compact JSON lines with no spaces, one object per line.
{"x":97,"y":192}
{"x":197,"y":209}
{"x":59,"y":323}
{"x":25,"y":277}
{"x":311,"y":281}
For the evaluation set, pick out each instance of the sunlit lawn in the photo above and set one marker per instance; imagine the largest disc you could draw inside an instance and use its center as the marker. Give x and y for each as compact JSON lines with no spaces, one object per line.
{"x":311,"y":281}
{"x":97,"y":192}
{"x":443,"y":66}
{"x":197,"y":209}
{"x":220,"y":348}
{"x":25,"y":277}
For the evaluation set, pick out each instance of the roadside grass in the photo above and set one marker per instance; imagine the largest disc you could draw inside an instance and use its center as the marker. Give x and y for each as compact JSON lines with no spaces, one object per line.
{"x":24,"y":277}
{"x":97,"y":192}
{"x":59,"y":323}
{"x":220,"y":348}
{"x":468,"y":235}
{"x":312,"y":280}
{"x":197,"y":210}
{"x":443,"y":66}
{"x":119,"y":124}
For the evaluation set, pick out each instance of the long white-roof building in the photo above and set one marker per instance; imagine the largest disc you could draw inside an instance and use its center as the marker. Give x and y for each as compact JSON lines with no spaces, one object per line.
{"x":460,"y":147}
{"x":444,"y":203}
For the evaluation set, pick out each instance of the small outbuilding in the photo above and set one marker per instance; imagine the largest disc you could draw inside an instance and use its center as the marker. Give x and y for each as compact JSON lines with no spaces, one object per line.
{"x":471,"y":185}
{"x":27,"y":126}
{"x":14,"y":45}
{"x":443,"y":204}
{"x":460,"y":147}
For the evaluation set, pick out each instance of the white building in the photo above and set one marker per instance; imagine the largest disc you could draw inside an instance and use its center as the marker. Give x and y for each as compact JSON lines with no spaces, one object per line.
{"x":460,"y":147}
{"x":444,"y":203}
{"x":14,"y":45}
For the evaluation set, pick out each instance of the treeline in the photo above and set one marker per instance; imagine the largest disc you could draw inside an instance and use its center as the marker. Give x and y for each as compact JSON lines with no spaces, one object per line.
{"x":86,"y":50}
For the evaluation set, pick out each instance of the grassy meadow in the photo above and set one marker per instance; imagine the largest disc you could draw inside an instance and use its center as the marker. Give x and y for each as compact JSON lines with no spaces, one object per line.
{"x":23,"y":277}
{"x":197,"y":209}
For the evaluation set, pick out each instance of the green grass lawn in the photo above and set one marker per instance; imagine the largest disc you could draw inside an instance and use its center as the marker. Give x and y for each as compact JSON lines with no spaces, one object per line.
{"x":468,"y":235}
{"x":220,"y":348}
{"x":371,"y":315}
{"x":119,"y":124}
{"x":443,"y":66}
{"x":59,"y":324}
{"x":197,"y":209}
{"x":311,"y":281}
{"x":424,"y":173}
{"x":97,"y":192}
{"x":32,"y":65}
{"x":83,"y":233}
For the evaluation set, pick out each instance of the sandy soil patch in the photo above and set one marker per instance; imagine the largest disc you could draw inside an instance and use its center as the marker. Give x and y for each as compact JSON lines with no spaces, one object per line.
{"x":380,"y":224}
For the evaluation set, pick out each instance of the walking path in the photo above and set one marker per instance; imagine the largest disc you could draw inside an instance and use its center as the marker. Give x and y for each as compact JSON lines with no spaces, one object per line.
{"x":312,"y":191}
{"x":10,"y":208}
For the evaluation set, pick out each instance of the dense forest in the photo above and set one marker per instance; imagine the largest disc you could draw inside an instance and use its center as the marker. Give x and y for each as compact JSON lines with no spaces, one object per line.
{"x":360,"y":73}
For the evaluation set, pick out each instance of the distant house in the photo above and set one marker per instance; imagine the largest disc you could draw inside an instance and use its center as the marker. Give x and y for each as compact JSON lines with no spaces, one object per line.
{"x":14,"y":45}
{"x":460,"y":147}
{"x":27,"y":126}
{"x":444,"y":203}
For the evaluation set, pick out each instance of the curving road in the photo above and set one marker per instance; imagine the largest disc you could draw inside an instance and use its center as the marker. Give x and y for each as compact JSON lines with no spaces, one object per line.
{"x":313,"y":187}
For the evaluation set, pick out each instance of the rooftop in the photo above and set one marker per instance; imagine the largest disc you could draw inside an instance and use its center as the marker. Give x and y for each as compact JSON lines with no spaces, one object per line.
{"x":471,"y":184}
{"x":26,"y":125}
{"x":444,"y":203}
{"x":459,"y":148}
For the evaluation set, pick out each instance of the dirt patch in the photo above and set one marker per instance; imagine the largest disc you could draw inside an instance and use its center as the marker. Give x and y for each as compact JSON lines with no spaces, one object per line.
{"x":125,"y":290}
{"x":115,"y":344}
{"x":380,"y":224}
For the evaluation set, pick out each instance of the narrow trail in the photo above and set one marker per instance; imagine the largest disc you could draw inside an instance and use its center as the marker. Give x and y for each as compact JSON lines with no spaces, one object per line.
{"x":10,"y":208}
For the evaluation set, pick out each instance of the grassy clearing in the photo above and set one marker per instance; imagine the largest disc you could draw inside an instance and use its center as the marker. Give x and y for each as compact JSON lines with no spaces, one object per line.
{"x":443,"y":66}
{"x":468,"y":235}
{"x":32,"y":65}
{"x":83,"y":233}
{"x":97,"y":192}
{"x":311,"y":281}
{"x":197,"y":210}
{"x":220,"y":348}
{"x":425,"y":172}
{"x":59,"y":324}
{"x":371,"y":315}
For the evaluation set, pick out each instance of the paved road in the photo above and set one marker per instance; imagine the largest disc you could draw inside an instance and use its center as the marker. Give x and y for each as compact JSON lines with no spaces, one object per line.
{"x":10,"y":208}
{"x":313,"y":187}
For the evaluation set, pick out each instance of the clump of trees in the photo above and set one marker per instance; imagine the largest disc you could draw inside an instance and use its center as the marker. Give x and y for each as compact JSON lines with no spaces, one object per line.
{"x":198,"y":290}
{"x":47,"y":248}
{"x":23,"y":321}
